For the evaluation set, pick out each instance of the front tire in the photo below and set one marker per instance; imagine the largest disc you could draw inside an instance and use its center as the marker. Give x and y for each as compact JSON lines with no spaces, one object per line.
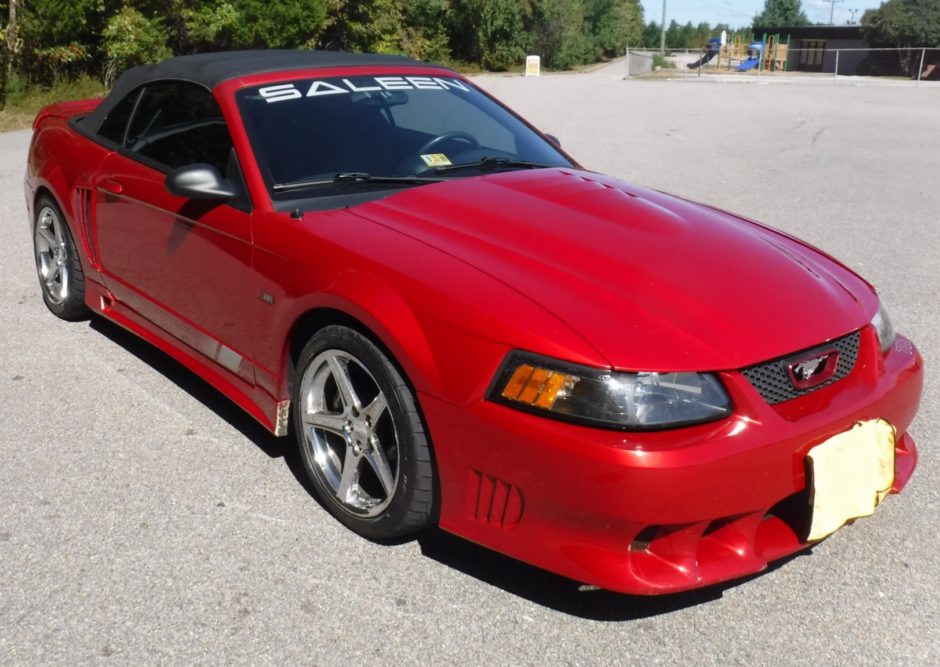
{"x":360,"y":435}
{"x":57,"y":263}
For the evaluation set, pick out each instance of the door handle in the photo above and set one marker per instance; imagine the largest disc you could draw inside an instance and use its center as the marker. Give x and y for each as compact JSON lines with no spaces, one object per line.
{"x":111,"y":186}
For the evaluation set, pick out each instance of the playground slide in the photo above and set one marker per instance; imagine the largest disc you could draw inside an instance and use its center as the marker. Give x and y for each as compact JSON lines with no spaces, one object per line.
{"x":750,"y":63}
{"x":704,"y":59}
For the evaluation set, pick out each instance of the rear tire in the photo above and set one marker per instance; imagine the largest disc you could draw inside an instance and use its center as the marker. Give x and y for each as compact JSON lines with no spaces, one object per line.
{"x":57,"y":263}
{"x":361,"y":438}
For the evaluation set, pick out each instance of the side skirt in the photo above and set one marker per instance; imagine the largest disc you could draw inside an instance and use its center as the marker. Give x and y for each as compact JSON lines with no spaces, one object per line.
{"x":269,"y":412}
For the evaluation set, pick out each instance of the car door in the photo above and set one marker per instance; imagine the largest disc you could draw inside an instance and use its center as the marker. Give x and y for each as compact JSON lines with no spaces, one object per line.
{"x":185,"y":265}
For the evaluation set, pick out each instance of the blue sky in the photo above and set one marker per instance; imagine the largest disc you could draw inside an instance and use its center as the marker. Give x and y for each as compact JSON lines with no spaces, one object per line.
{"x":738,"y":13}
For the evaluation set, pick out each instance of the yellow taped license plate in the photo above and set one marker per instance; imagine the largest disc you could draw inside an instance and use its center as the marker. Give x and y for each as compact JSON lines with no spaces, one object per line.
{"x":850,"y":474}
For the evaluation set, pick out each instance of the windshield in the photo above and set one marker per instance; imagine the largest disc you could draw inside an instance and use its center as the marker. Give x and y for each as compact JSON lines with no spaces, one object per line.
{"x":315,"y":137}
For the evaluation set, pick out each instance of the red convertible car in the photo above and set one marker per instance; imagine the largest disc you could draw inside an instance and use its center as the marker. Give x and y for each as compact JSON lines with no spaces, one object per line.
{"x":461,"y":326}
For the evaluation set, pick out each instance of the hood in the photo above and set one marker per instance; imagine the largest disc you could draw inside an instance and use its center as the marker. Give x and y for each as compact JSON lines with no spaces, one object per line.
{"x":652,"y":281}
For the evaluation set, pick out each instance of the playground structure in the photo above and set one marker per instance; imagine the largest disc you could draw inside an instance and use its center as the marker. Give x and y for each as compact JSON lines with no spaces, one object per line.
{"x":713,"y":49}
{"x":743,"y":52}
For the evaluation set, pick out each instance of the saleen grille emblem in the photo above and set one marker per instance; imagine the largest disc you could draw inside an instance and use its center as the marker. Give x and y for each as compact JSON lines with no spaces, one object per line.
{"x":808,"y":372}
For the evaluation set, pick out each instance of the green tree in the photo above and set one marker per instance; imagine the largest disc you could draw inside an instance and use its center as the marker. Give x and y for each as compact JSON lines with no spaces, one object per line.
{"x":253,"y":24}
{"x":417,"y":28}
{"x":129,"y":38}
{"x":906,"y":24}
{"x":674,"y":36}
{"x":701,"y":35}
{"x":423,"y":30}
{"x":651,"y":34}
{"x":780,"y":13}
{"x":493,"y":33}
{"x":206,"y":27}
{"x":9,"y":41}
{"x":502,"y":33}
{"x":687,"y":35}
{"x":558,"y":33}
{"x":362,"y":25}
{"x":614,"y":24}
{"x":61,"y":37}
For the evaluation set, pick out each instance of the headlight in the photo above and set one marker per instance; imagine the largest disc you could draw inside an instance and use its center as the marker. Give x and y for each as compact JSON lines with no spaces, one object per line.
{"x":629,"y":401}
{"x":883,"y":328}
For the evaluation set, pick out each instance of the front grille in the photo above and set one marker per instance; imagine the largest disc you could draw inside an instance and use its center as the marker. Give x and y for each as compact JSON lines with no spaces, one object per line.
{"x":772,"y":381}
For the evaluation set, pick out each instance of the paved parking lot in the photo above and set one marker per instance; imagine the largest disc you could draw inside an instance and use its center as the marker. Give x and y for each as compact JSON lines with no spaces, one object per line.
{"x":144,"y":519}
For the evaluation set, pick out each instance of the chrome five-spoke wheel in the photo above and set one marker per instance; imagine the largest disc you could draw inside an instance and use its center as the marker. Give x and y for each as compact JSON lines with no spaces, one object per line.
{"x":52,"y":256}
{"x":57,"y":262}
{"x":361,"y":437}
{"x":350,"y":432}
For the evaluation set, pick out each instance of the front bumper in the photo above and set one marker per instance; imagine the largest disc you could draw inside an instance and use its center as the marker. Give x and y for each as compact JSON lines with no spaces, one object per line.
{"x":650,"y":513}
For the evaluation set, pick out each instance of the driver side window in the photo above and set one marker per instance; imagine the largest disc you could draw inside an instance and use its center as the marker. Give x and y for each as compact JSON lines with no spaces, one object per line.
{"x":177,"y":124}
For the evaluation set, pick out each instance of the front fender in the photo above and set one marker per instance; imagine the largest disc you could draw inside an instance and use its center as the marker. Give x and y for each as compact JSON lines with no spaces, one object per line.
{"x":446,"y":323}
{"x":383,"y":311}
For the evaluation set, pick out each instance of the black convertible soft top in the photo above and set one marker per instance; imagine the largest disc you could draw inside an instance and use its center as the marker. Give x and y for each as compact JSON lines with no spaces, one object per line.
{"x":211,"y":69}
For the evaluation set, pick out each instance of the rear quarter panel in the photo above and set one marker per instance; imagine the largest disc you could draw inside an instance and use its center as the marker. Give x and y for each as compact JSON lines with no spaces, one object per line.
{"x":61,"y":158}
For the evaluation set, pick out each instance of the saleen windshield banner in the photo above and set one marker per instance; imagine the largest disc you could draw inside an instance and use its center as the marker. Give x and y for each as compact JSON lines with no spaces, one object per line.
{"x":323,"y":87}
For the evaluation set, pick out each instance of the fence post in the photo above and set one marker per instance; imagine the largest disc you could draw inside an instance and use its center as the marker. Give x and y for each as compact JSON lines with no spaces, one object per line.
{"x":626,"y":65}
{"x":837,"y":64}
{"x":920,"y":70}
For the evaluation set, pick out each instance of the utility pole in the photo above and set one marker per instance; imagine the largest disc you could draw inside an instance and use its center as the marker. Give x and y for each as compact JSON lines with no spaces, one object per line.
{"x":832,"y":8}
{"x":662,"y":33}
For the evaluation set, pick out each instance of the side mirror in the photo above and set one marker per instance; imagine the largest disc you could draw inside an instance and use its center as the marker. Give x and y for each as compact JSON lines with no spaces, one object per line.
{"x":555,"y":140}
{"x":199,"y":181}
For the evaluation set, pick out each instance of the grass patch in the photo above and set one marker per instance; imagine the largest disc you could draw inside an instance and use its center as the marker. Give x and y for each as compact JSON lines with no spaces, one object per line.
{"x":660,"y":61}
{"x":24,"y":99}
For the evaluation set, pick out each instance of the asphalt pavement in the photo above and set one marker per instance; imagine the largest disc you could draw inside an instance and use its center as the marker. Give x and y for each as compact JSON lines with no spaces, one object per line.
{"x":144,"y":519}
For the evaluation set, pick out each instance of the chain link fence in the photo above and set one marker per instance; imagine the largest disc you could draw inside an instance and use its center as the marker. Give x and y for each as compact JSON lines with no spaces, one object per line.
{"x":918,"y":64}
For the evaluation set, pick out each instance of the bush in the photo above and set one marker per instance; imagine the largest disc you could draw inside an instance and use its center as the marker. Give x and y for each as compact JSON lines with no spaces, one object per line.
{"x":501,"y":32}
{"x":29,"y":98}
{"x":129,"y":39}
{"x":57,"y":62}
{"x":662,"y":62}
{"x":907,"y":24}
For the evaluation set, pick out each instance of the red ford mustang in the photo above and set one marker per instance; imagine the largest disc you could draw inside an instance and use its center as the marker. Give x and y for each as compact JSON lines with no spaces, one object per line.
{"x":463,"y":327}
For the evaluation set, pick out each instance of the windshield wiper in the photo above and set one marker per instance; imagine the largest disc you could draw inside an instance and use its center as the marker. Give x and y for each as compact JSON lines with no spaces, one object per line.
{"x":494,"y":163}
{"x":356,"y":177}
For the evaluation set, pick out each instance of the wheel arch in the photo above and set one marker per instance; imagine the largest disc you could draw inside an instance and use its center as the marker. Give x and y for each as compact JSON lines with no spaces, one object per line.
{"x":364,"y":299}
{"x":49,"y":178}
{"x":52,"y":183}
{"x":314,"y":319}
{"x":46,"y":190}
{"x":318,"y":318}
{"x":66,"y":207}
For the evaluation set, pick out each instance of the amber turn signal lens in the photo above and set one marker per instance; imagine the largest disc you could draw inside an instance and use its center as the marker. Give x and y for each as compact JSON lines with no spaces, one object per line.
{"x":605,"y":398}
{"x":538,"y":387}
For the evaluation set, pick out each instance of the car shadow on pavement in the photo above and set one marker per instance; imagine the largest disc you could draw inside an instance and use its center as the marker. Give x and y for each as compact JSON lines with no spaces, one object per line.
{"x":513,"y":576}
{"x":206,"y":394}
{"x":562,"y":594}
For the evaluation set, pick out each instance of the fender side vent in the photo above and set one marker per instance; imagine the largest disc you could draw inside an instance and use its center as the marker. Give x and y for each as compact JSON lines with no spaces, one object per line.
{"x":82,"y":207}
{"x":493,"y":501}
